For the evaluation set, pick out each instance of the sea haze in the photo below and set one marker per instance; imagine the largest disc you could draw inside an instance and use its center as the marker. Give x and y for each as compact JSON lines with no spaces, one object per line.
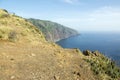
{"x":106,"y":43}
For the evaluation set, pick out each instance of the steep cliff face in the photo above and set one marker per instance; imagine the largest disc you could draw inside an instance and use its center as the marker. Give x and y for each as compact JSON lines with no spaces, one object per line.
{"x":53,"y":31}
{"x":26,"y":55}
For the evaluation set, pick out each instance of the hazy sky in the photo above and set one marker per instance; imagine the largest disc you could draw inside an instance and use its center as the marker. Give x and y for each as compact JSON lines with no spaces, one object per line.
{"x":82,"y":15}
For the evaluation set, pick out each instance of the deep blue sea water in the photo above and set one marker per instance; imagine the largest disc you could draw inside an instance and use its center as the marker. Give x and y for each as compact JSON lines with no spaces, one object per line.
{"x":106,"y":43}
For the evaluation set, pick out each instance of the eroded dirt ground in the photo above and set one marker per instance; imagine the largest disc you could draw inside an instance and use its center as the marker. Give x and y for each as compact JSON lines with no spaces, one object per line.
{"x":41,"y":62}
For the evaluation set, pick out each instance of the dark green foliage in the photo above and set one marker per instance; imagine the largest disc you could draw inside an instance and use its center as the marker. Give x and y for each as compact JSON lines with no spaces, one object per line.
{"x":5,"y":10}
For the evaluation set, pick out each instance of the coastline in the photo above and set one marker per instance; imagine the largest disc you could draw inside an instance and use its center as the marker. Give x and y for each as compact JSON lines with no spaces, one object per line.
{"x":94,"y":42}
{"x":67,"y":37}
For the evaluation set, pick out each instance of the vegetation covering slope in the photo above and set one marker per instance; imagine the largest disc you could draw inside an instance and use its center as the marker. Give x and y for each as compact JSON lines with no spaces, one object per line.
{"x":15,"y":28}
{"x":41,"y":60}
{"x":53,"y":31}
{"x":102,"y":66}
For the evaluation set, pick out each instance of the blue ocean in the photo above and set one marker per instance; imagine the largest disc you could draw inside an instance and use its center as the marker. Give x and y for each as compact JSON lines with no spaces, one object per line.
{"x":106,"y":43}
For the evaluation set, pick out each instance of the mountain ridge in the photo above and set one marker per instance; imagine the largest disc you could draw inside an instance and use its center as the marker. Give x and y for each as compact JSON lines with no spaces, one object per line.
{"x":53,"y":31}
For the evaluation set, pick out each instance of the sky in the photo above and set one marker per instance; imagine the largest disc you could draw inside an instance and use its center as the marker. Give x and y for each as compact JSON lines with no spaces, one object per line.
{"x":82,"y":15}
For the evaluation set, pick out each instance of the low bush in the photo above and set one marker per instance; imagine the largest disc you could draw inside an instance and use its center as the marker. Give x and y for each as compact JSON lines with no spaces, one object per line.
{"x":103,"y":65}
{"x":12,"y":36}
{"x":4,"y":15}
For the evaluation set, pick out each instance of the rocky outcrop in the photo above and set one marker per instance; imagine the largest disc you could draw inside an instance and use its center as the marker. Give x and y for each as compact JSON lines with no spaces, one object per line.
{"x":53,"y":31}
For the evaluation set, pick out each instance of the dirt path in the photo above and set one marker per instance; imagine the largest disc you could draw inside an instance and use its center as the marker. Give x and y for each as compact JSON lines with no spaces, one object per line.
{"x":41,"y":62}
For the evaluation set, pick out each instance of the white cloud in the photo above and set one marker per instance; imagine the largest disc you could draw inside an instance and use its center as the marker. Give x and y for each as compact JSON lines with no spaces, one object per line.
{"x":103,"y":19}
{"x":71,"y":1}
{"x":106,"y":11}
{"x":107,"y":16}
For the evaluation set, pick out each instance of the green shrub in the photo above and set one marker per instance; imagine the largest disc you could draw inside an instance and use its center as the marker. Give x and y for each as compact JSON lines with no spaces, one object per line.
{"x":12,"y":36}
{"x":4,"y":15}
{"x":1,"y":36}
{"x":5,"y":10}
{"x":104,"y":66}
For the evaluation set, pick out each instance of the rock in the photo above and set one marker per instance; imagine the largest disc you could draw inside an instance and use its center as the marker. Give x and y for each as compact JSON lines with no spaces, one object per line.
{"x":56,"y":77}
{"x":33,"y":55}
{"x":12,"y":77}
{"x":77,"y":73}
{"x":96,"y":53}
{"x":81,"y":66}
{"x":11,"y":59}
{"x":87,"y":53}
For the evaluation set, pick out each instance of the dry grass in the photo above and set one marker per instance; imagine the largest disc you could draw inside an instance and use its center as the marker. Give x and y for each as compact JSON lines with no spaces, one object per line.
{"x":22,"y":29}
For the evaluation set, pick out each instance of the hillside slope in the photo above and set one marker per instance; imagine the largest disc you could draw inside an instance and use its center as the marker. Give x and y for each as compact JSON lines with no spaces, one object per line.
{"x":53,"y":31}
{"x":26,"y":55}
{"x":15,"y":28}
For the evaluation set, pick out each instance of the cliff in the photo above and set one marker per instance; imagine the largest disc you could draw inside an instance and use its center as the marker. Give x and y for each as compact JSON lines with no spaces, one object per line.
{"x":26,"y":55}
{"x":53,"y":31}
